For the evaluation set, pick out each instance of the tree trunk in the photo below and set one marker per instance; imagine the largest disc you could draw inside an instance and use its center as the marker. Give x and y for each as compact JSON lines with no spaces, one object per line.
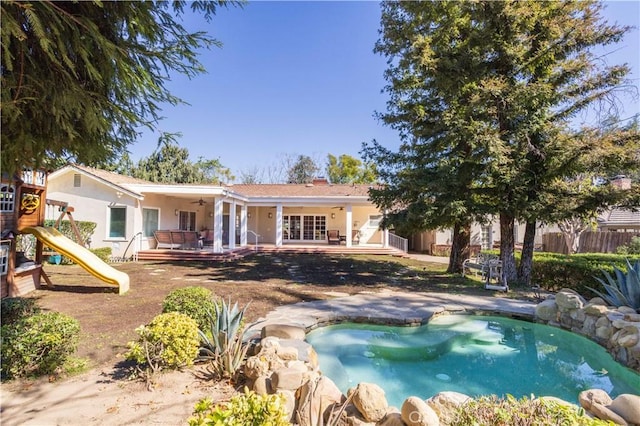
{"x":460,"y":247}
{"x":507,"y":247}
{"x":526,"y":259}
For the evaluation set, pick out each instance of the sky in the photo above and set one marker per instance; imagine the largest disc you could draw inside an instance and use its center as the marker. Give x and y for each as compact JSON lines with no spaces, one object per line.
{"x":301,"y":78}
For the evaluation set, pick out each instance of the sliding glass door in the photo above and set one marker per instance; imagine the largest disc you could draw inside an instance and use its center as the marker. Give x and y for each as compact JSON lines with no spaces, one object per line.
{"x":304,"y":227}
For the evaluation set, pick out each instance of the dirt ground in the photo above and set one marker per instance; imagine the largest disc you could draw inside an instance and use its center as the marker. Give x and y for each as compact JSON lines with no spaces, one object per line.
{"x":105,"y":395}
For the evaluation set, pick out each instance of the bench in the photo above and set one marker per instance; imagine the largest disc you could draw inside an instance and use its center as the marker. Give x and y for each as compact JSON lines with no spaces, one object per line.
{"x":490,"y":268}
{"x":177,"y":239}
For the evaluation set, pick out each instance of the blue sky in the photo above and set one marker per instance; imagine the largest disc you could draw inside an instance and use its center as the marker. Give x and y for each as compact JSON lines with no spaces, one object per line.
{"x":301,"y":78}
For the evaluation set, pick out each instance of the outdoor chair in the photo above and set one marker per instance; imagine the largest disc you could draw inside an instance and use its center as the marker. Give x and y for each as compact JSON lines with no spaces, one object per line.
{"x":333,"y":236}
{"x":191,"y":240}
{"x":164,"y":240}
{"x":355,"y":237}
{"x":177,"y":237}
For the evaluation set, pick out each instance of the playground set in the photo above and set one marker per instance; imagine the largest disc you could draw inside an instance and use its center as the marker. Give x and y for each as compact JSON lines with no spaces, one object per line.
{"x":22,"y":211}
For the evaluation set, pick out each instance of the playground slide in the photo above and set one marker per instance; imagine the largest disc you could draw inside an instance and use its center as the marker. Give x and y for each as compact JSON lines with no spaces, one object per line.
{"x":80,"y":255}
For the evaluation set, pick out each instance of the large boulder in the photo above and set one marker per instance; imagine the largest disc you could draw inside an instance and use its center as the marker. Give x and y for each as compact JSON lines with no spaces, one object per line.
{"x":589,"y":397}
{"x":370,"y":400}
{"x":444,"y":404}
{"x":317,"y":398}
{"x":627,"y":406}
{"x":547,"y":310}
{"x":605,"y":413}
{"x":568,"y":299}
{"x":416,"y":412}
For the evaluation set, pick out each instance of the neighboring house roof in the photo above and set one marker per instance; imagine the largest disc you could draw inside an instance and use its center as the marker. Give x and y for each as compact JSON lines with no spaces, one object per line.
{"x":621,"y":218}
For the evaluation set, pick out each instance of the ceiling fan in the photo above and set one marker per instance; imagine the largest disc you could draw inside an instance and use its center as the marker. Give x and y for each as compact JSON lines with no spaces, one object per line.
{"x":338,"y":207}
{"x":200,"y":201}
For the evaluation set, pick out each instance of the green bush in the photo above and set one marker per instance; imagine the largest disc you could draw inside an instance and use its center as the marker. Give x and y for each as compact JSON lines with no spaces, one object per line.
{"x":104,"y":253}
{"x":632,"y":248}
{"x":39,"y":344}
{"x":169,"y":341}
{"x":553,"y":271}
{"x":14,"y":309}
{"x":243,"y":410}
{"x":490,"y":411}
{"x":85,"y":228}
{"x":194,"y":302}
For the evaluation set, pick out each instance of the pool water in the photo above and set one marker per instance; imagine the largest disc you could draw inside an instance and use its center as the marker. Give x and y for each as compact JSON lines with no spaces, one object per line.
{"x":475,"y":355}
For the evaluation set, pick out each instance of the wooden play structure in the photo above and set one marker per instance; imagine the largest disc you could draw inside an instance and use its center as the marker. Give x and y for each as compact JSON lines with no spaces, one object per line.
{"x":22,"y":209}
{"x":22,"y":204}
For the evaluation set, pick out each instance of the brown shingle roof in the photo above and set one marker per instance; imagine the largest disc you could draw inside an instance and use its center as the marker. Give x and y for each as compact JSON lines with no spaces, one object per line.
{"x":300,"y":190}
{"x":112,"y":177}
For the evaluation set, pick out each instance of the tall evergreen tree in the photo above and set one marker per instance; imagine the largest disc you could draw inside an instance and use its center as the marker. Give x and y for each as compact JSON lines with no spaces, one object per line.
{"x":483,"y":89}
{"x":80,"y":78}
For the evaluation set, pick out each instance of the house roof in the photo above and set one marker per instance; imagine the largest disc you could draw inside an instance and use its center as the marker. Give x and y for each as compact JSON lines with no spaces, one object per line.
{"x":622,"y":217}
{"x":300,"y":190}
{"x":254,"y":192}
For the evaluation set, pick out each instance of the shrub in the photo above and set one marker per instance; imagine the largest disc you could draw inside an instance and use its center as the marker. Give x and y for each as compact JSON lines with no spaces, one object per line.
{"x":624,"y":290}
{"x":104,"y":253}
{"x":553,"y":271}
{"x":39,"y":344}
{"x":490,"y":410}
{"x":632,"y":248}
{"x":246,"y":409}
{"x":194,"y":302}
{"x":169,"y":341}
{"x":14,"y":309}
{"x":225,"y":349}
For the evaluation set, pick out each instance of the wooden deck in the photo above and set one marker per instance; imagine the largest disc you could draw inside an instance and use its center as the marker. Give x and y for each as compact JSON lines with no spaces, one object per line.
{"x":208,"y":255}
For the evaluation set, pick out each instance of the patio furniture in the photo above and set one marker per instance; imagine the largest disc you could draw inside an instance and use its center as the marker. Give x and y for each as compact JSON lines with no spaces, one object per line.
{"x":177,"y":237}
{"x":355,"y":237}
{"x":164,"y":240}
{"x":333,"y":236}
{"x":191,"y":240}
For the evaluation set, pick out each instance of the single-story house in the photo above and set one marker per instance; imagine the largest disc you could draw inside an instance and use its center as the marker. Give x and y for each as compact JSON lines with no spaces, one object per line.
{"x":266,"y":214}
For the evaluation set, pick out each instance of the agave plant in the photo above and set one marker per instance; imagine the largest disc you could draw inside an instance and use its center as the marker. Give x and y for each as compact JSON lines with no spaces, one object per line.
{"x":223,"y":345}
{"x":624,"y":289}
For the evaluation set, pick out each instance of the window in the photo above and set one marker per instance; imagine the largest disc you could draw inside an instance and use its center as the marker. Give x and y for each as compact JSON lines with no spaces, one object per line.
{"x":77,"y":180}
{"x":487,"y":237}
{"x":304,"y":228}
{"x":149,"y":221}
{"x":117,"y":222}
{"x":5,"y":249}
{"x":374,"y":220}
{"x":7,"y":198}
{"x":187,"y":221}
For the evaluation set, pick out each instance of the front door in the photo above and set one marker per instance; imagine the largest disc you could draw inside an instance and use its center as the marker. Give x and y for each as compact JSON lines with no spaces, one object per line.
{"x":304,"y":227}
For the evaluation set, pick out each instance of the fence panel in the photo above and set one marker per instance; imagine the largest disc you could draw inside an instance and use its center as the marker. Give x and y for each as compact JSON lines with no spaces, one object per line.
{"x":590,"y":241}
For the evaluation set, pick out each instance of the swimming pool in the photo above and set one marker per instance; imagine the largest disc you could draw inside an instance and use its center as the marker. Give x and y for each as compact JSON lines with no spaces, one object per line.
{"x":475,"y":355}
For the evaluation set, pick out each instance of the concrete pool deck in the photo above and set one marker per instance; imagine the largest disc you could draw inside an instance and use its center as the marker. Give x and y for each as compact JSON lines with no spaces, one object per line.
{"x":391,"y":307}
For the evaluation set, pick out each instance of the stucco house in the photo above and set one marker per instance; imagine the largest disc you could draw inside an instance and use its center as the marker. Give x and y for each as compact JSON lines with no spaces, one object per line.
{"x":265,"y":214}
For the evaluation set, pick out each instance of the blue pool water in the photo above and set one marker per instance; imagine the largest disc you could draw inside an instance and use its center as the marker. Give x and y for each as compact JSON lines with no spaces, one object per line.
{"x":475,"y":355}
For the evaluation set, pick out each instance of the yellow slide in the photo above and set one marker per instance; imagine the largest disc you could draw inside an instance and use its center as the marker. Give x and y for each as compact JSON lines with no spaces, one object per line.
{"x":80,"y":255}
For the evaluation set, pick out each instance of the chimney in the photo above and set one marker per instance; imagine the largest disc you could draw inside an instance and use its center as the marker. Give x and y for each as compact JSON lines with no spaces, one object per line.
{"x":320,"y":181}
{"x":621,"y":182}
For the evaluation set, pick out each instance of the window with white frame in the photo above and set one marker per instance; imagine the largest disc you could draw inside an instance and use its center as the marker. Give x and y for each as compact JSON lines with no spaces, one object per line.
{"x":487,"y":237}
{"x":5,"y":250}
{"x":187,"y":221}
{"x":150,"y":221}
{"x":7,"y":198}
{"x":117,"y":222}
{"x":374,"y":220}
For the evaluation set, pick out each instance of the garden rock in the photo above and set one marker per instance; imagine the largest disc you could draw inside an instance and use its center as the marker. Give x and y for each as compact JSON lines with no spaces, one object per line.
{"x":416,"y":412}
{"x":589,"y":397}
{"x":317,"y":398}
{"x":287,"y":378}
{"x":262,"y":385}
{"x":392,"y":418}
{"x":289,"y":403}
{"x":627,"y":406}
{"x":604,"y":413}
{"x":547,"y":310}
{"x":567,"y":299}
{"x":370,"y":400}
{"x":283,"y":331}
{"x":445,"y":403}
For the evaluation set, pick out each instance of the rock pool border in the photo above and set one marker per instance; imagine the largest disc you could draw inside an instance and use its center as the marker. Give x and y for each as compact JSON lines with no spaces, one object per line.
{"x":283,"y":363}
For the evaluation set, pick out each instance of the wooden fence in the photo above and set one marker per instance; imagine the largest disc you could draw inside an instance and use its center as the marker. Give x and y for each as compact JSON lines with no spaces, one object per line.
{"x":590,"y":241}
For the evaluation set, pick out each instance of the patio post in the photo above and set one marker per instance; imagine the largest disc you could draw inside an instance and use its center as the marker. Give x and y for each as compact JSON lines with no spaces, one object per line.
{"x":243,"y":225}
{"x":232,"y":225}
{"x":349,"y":224}
{"x":278,"y":224}
{"x":217,"y":225}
